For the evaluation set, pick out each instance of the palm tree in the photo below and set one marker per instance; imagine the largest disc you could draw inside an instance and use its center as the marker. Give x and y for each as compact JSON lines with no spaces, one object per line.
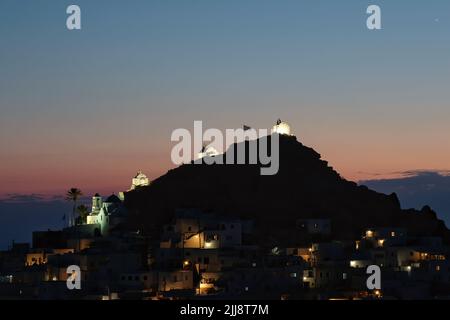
{"x":83,"y":212}
{"x":73,"y":194}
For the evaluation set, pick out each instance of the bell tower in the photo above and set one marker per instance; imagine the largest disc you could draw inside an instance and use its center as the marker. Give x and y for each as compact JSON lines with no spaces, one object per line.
{"x":96,"y":203}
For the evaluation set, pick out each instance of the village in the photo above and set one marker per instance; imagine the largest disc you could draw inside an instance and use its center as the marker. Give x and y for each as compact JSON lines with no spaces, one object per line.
{"x":204,"y":255}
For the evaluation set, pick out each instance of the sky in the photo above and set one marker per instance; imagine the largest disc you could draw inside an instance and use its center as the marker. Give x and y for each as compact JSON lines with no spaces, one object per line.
{"x":89,"y":108}
{"x":419,"y":188}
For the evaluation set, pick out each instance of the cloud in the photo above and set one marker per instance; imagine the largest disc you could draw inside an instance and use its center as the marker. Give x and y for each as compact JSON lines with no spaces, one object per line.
{"x":416,"y":188}
{"x":37,"y":198}
{"x":22,"y":198}
{"x":417,"y":173}
{"x":21,"y":214}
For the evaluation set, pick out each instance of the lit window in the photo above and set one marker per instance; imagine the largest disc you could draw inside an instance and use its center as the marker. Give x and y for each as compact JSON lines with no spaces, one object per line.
{"x":438,"y":268}
{"x":369,"y":233}
{"x":393,"y":234}
{"x":344,"y":276}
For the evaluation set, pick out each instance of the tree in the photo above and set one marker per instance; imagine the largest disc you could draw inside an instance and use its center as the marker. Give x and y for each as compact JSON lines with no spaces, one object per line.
{"x":73,"y":194}
{"x":83,"y":212}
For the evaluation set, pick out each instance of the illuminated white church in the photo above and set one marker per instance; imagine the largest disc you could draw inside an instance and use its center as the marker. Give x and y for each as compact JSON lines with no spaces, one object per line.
{"x":140,"y":180}
{"x":207,"y":152}
{"x":111,"y":212}
{"x":282,"y":127}
{"x":106,"y":214}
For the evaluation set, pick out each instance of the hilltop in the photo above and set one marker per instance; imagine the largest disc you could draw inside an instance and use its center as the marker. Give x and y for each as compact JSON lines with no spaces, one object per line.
{"x":305,"y":187}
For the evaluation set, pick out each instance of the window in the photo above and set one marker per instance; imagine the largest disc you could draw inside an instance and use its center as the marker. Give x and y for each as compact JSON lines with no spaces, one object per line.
{"x":145,"y":278}
{"x":212,"y":237}
{"x":136,"y":278}
{"x":130,"y":278}
{"x":189,"y":228}
{"x":232,"y":226}
{"x":175,"y":278}
{"x":123,"y":278}
{"x":206,"y":260}
{"x":344,"y":276}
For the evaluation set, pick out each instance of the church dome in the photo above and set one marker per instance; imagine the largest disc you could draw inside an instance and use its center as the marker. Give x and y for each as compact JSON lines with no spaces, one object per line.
{"x":113,"y":199}
{"x":282,"y":127}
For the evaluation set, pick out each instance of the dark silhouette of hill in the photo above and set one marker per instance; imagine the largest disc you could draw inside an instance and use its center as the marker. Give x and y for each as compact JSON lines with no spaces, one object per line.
{"x":305,"y":187}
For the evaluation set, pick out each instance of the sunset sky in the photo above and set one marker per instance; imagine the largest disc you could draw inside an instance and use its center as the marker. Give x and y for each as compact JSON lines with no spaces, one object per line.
{"x":89,"y":108}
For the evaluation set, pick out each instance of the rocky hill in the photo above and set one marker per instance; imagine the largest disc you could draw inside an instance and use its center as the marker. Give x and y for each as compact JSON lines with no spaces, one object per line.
{"x":305,"y":187}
